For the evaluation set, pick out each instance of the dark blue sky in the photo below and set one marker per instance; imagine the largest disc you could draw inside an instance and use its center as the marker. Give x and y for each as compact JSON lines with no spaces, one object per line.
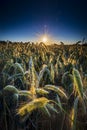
{"x":22,"y":20}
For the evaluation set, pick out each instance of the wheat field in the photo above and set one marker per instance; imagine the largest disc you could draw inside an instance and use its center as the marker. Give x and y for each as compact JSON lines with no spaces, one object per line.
{"x":43,"y":87}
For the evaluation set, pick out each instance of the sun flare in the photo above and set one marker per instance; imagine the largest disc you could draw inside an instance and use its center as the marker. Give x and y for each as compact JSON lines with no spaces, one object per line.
{"x":44,"y":39}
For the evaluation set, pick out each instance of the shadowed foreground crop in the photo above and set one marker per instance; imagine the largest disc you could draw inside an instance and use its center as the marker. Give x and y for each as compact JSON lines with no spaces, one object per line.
{"x":43,"y":87}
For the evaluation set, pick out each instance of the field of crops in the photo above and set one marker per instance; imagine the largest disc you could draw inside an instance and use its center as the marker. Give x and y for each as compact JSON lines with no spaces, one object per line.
{"x":43,"y":87}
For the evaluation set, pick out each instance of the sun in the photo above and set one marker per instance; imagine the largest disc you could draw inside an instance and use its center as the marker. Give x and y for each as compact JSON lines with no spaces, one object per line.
{"x":44,"y":39}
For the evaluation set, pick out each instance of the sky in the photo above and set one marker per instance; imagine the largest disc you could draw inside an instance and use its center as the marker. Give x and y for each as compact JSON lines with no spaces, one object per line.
{"x":27,"y":20}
